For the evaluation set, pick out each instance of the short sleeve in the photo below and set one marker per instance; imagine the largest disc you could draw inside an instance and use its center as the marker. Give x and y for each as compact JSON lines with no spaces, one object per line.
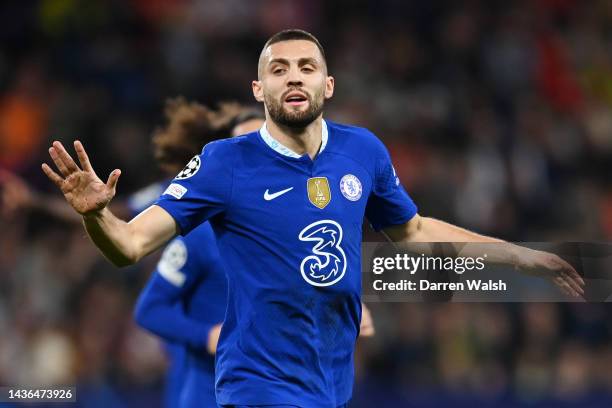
{"x":389,"y":204}
{"x":202,"y":189}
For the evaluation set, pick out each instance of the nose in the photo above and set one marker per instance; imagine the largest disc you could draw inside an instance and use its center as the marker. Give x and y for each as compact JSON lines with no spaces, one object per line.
{"x":294,"y":78}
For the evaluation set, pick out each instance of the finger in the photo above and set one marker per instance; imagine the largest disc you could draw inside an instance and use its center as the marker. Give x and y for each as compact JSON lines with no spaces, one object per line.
{"x":574,"y":285}
{"x":568,"y":290}
{"x":113,"y":178}
{"x":65,"y":157}
{"x":569,"y":269}
{"x":53,"y":176}
{"x":562,"y":285}
{"x":82,"y":155}
{"x":572,"y":282}
{"x":570,"y":287}
{"x":567,"y":272}
{"x":58,"y":162}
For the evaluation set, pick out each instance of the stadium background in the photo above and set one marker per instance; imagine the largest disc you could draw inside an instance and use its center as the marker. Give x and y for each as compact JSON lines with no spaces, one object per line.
{"x":498,"y":115}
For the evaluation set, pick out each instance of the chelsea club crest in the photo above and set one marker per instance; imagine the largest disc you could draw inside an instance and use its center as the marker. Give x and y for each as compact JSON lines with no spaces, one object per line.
{"x":350,"y":186}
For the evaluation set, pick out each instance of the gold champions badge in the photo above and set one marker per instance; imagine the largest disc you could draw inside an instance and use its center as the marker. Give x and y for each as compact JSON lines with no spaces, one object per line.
{"x":318,"y":191}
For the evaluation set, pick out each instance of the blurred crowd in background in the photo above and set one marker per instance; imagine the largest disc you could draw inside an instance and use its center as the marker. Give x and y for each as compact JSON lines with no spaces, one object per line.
{"x":498,"y":116}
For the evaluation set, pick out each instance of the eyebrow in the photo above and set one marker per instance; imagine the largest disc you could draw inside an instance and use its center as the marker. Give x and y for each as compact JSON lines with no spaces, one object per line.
{"x":301,"y":61}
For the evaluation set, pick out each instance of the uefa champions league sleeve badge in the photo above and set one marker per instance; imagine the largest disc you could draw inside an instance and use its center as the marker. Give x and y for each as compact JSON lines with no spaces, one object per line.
{"x":190,"y":169}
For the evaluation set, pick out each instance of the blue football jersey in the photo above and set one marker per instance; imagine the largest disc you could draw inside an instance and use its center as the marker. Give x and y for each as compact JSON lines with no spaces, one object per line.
{"x":289,"y":233}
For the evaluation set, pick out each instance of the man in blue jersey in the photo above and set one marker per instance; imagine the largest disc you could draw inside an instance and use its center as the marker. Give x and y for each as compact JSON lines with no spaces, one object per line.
{"x":184,"y":300}
{"x":286,"y":205}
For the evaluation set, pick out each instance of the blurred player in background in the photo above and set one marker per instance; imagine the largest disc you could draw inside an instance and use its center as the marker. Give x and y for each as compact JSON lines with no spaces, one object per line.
{"x":286,"y":205}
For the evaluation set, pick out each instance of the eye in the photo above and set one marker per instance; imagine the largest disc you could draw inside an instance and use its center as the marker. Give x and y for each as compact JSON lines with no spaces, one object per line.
{"x":278,"y":70}
{"x":307,"y":69}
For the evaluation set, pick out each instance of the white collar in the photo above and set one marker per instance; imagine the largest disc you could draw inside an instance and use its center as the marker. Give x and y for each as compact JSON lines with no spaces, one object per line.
{"x":284,"y":150}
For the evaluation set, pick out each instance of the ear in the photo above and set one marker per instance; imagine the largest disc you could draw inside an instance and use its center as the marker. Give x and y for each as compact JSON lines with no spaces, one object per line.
{"x":329,"y":87}
{"x":257,"y":91}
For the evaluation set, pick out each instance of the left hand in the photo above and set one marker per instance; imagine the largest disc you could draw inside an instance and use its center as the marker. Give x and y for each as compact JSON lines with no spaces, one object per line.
{"x":551,"y":267}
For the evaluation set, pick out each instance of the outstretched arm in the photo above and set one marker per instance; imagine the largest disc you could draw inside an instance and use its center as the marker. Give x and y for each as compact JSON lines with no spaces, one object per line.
{"x":122,"y":243}
{"x":424,"y":230}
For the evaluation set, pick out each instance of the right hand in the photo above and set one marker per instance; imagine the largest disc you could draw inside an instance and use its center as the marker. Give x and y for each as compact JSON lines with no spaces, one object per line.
{"x":82,"y":188}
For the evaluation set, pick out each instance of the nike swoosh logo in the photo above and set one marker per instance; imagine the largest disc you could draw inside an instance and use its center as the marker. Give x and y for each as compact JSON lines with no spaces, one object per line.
{"x":268,"y":196}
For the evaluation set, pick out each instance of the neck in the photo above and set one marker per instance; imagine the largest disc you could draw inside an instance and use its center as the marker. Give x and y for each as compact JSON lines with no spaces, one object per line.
{"x":301,"y":140}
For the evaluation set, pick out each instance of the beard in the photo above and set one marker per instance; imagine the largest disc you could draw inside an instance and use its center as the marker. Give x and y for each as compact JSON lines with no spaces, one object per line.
{"x":294,"y":119}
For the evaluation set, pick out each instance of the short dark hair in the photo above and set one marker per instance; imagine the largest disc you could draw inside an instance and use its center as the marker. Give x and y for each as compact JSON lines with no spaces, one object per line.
{"x":294,"y":34}
{"x":289,"y":35}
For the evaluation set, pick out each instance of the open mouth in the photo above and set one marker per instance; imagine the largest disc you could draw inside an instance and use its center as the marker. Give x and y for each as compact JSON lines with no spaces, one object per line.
{"x":296,"y":99}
